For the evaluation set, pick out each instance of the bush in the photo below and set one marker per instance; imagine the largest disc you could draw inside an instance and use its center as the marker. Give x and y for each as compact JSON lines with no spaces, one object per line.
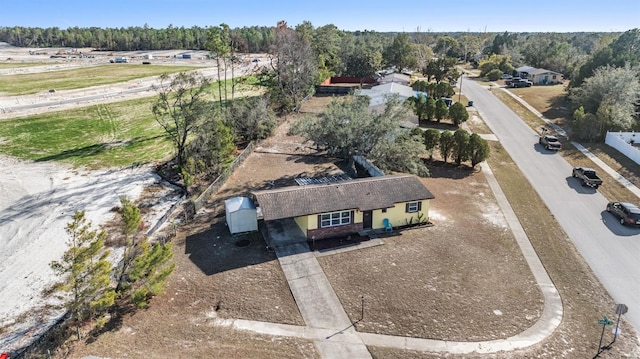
{"x":494,"y":75}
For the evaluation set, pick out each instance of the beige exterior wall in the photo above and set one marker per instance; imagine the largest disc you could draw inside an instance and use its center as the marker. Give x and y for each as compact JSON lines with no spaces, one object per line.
{"x":303,"y":223}
{"x":311,"y":221}
{"x":539,"y":78}
{"x":398,"y":216}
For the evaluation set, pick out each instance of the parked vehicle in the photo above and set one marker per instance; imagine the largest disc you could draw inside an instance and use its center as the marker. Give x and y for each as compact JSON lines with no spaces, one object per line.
{"x":506,"y":76}
{"x":587,"y":176}
{"x":550,"y":142}
{"x":628,"y":213}
{"x":520,"y":83}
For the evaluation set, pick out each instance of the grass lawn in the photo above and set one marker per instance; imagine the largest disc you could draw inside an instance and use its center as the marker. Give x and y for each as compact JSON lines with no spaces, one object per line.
{"x":104,"y":135}
{"x":551,"y":101}
{"x":12,"y":65}
{"x":26,"y":84}
{"x":115,"y":134}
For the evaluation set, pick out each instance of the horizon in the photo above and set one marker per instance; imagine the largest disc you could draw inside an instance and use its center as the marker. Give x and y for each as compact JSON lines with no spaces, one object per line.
{"x":357,"y":15}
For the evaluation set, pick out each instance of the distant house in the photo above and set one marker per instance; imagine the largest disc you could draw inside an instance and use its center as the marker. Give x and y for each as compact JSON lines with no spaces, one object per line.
{"x":342,"y":85}
{"x":395,"y":77}
{"x":347,"y":207}
{"x":378,"y":94}
{"x":540,"y":76}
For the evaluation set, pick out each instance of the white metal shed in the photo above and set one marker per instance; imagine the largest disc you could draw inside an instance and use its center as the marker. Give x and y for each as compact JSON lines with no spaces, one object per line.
{"x":241,"y":215}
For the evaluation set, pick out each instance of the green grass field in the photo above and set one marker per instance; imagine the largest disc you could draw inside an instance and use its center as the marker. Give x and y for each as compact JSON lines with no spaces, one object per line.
{"x":105,"y":135}
{"x":26,"y":84}
{"x":13,"y":65}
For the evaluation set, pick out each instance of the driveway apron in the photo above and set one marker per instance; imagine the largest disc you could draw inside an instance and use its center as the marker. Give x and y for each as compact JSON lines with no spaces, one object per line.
{"x":318,"y":303}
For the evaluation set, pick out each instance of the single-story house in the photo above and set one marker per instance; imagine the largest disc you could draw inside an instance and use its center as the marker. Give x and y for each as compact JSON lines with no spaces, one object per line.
{"x":539,"y":76}
{"x":378,"y":94}
{"x":347,"y":207}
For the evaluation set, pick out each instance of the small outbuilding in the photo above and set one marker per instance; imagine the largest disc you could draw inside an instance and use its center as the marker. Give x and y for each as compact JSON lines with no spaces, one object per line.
{"x":241,"y":215}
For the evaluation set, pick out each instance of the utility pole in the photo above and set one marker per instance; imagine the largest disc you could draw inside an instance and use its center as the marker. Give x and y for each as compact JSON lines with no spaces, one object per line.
{"x":460,"y":86}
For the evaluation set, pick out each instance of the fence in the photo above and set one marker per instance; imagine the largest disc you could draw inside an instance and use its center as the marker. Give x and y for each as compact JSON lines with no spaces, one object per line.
{"x":369,"y":167}
{"x":213,"y":188}
{"x":624,"y":143}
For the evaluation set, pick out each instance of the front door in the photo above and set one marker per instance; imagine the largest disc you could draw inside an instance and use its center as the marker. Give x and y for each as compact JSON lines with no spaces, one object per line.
{"x":366,"y":220}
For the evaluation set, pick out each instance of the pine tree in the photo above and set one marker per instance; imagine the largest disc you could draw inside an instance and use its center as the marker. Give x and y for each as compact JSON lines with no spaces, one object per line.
{"x":86,"y":272}
{"x":145,"y":268}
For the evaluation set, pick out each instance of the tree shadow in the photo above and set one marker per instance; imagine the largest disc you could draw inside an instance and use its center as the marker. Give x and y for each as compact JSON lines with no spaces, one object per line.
{"x":440,"y":169}
{"x":117,"y":314}
{"x":95,"y":149}
{"x":560,"y":108}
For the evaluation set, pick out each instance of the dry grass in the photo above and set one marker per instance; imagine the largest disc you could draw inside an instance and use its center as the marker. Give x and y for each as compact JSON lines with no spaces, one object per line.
{"x":453,"y":281}
{"x":550,"y":100}
{"x":443,"y":282}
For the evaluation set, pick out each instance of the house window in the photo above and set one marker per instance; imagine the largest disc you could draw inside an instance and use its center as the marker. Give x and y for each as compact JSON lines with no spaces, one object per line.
{"x":384,"y":210}
{"x":335,"y":219}
{"x":553,"y":77}
{"x":413,"y":207}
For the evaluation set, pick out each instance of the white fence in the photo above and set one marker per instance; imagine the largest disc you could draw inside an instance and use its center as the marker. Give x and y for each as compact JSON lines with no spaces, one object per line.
{"x":624,"y":143}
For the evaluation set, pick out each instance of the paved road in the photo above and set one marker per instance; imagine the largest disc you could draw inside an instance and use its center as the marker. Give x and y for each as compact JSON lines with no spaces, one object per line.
{"x":610,"y":249}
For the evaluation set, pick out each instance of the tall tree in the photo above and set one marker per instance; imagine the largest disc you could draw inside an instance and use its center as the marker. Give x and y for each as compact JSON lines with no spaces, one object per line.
{"x":431,"y":140}
{"x":401,"y":153}
{"x":442,"y":111}
{"x":294,"y":69}
{"x":144,"y":267}
{"x":219,"y":46}
{"x":625,"y":50}
{"x":444,"y":45}
{"x":478,"y":149}
{"x":460,"y":146}
{"x":458,"y":113}
{"x":363,"y":62}
{"x":211,"y":150}
{"x":446,"y":144}
{"x":419,"y":104}
{"x":180,"y":107}
{"x":401,"y":53}
{"x":85,"y":271}
{"x":347,"y":128}
{"x":251,"y":119}
{"x":441,"y":68}
{"x":614,"y":93}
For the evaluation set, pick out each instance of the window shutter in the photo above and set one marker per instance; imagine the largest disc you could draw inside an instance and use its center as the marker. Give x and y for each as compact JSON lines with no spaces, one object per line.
{"x":319,"y":221}
{"x":352,"y":218}
{"x":419,"y":206}
{"x":406,"y":207}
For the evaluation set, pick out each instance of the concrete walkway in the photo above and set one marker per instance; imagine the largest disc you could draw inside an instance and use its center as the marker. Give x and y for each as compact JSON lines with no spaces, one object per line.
{"x":318,"y":303}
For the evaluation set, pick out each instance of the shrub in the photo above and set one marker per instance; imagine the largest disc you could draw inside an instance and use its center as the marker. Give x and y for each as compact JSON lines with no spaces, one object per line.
{"x":494,"y":75}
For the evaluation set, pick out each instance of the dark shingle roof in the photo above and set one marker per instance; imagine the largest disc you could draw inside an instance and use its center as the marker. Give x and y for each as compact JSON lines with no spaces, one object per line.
{"x":363,"y":194}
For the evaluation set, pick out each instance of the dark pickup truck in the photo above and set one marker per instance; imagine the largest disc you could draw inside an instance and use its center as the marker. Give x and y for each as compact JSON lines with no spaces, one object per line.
{"x":517,"y":82}
{"x":550,"y":142}
{"x":587,"y":176}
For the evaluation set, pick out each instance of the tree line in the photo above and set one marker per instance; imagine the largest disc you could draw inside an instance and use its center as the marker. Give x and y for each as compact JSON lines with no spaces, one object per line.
{"x":561,"y":52}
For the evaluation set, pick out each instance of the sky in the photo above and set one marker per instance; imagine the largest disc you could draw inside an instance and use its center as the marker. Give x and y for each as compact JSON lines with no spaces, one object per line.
{"x":349,"y":15}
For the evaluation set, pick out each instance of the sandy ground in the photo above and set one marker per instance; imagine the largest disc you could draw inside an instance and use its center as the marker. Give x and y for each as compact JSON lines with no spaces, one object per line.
{"x":38,"y":199}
